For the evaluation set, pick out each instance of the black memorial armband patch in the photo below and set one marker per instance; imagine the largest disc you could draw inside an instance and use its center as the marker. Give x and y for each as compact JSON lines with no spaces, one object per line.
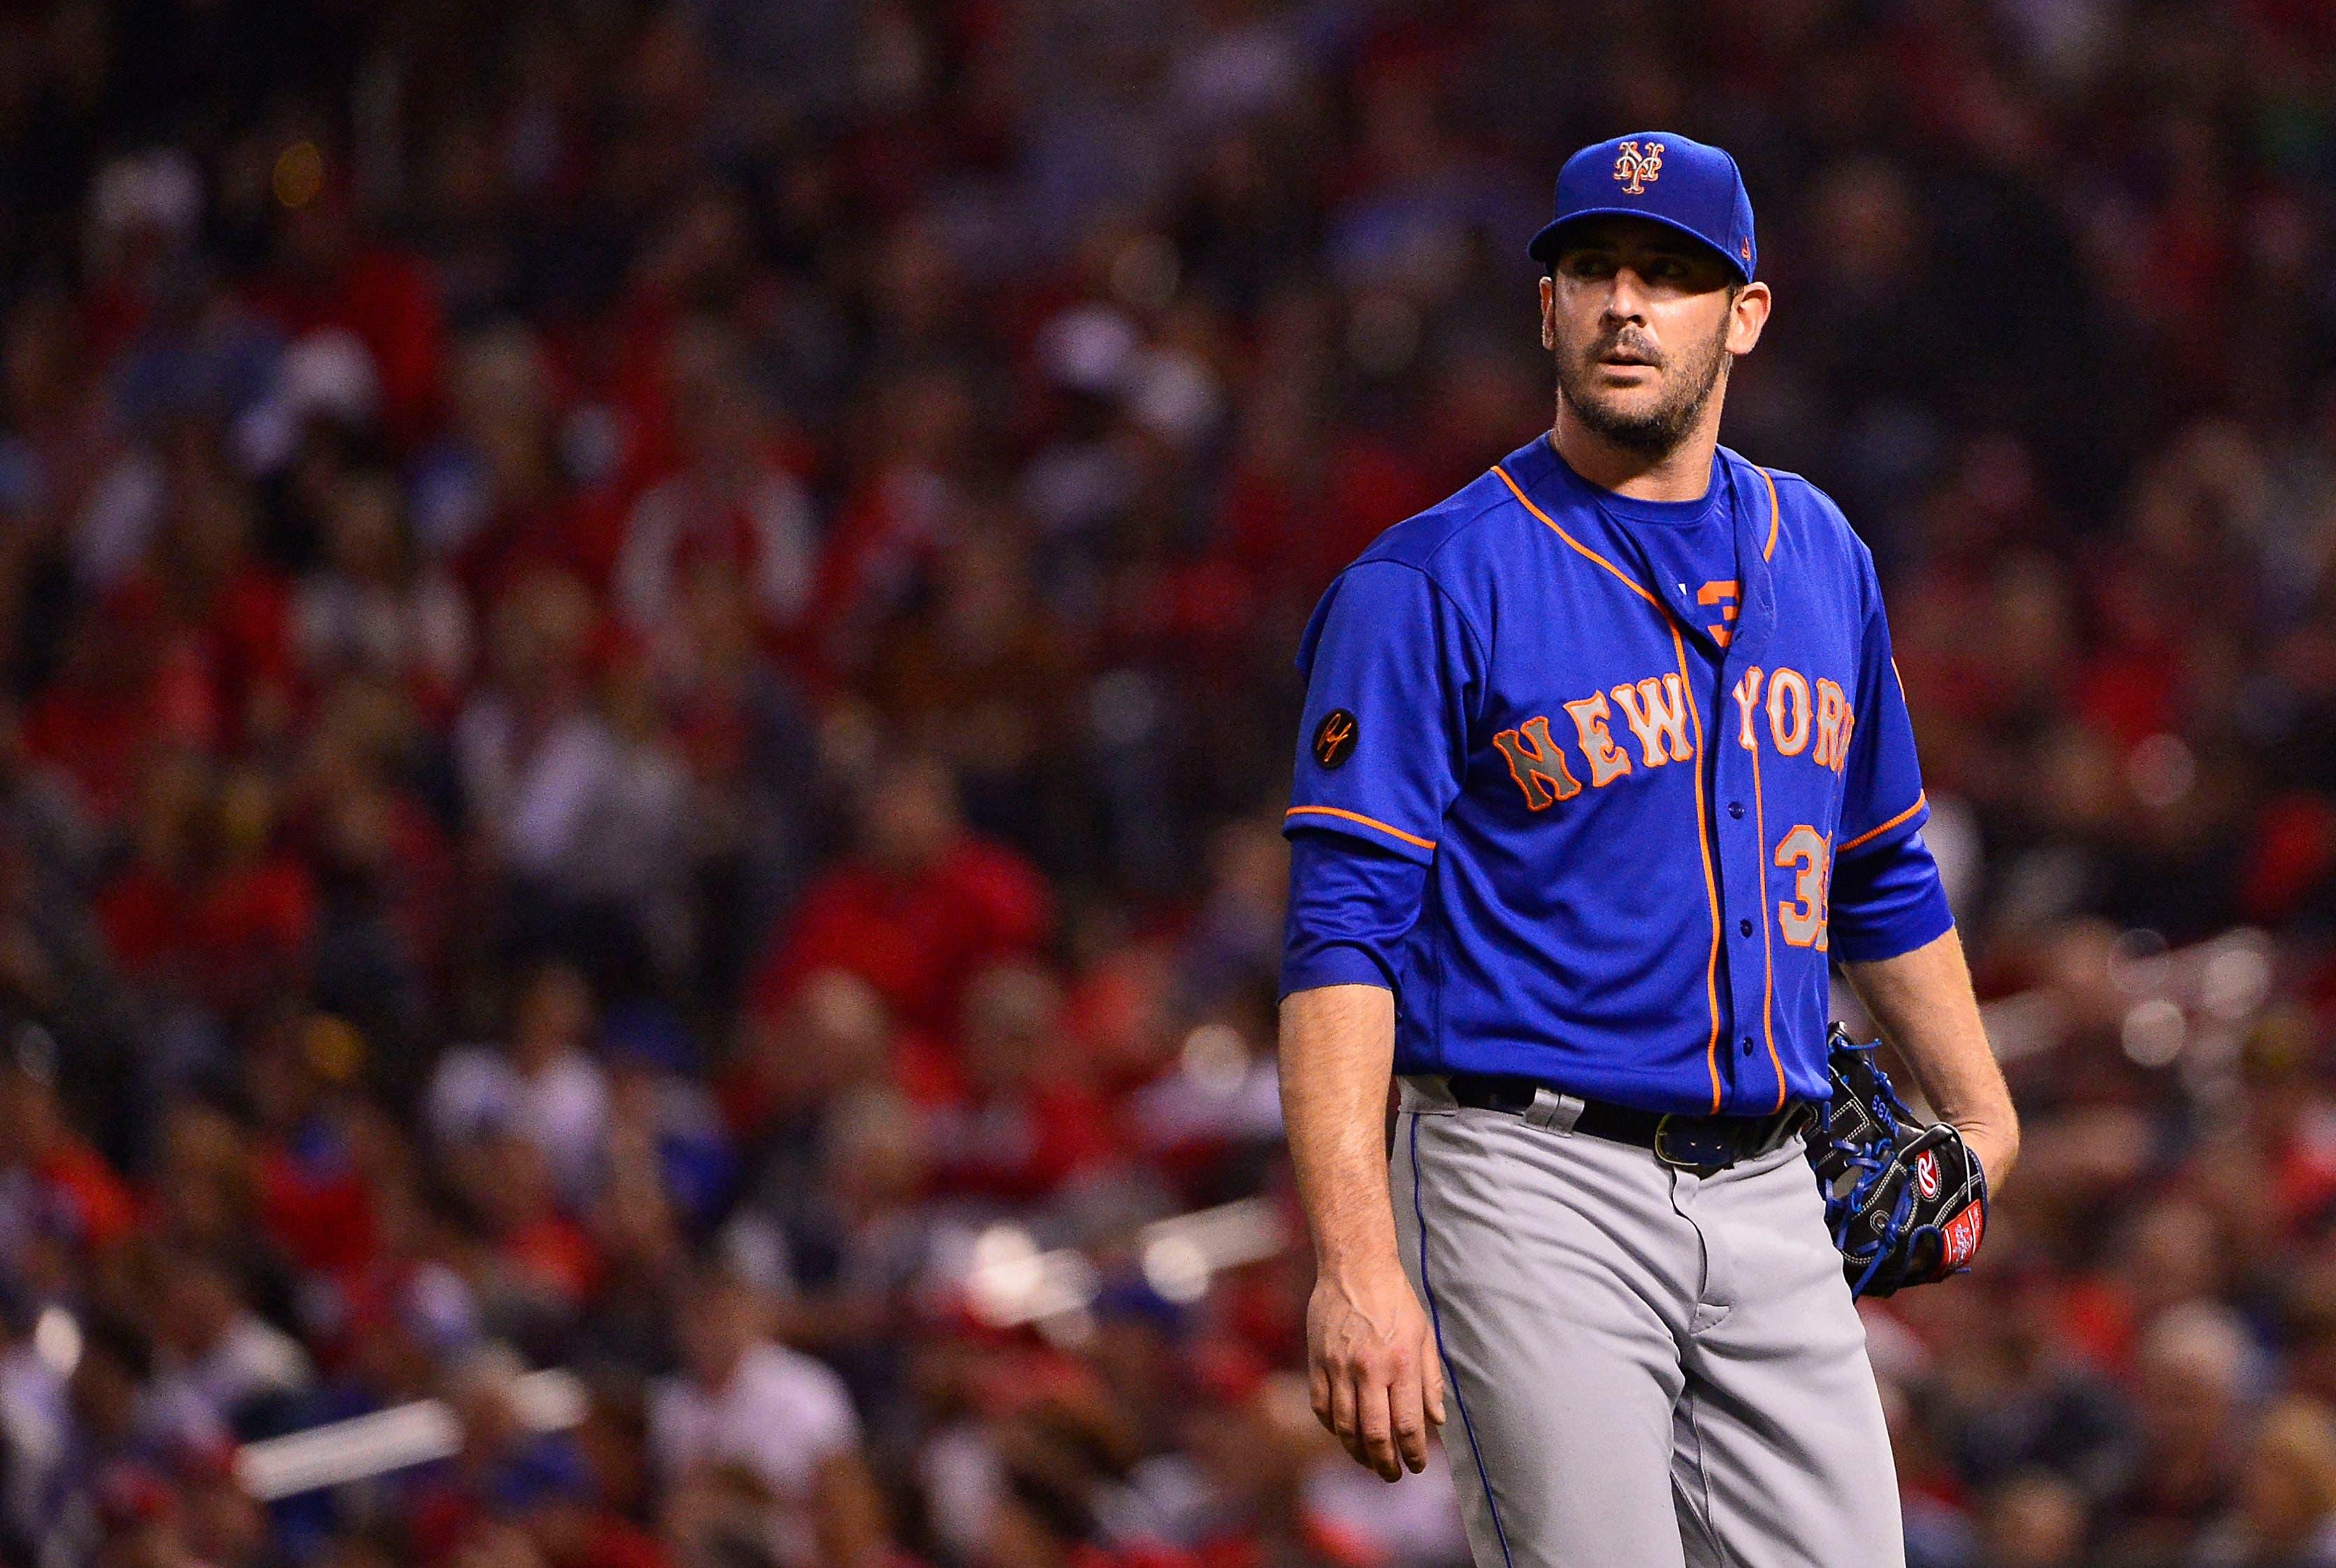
{"x":1334,"y":739}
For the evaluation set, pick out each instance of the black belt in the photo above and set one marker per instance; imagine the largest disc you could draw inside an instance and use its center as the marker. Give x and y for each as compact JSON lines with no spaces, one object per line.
{"x":1694,"y":1142}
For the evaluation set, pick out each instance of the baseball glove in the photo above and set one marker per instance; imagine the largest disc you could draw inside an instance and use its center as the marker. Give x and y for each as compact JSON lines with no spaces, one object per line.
{"x":1906,"y":1204}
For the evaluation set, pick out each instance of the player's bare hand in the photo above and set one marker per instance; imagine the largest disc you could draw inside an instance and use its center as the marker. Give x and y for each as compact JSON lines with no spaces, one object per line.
{"x":1372,"y":1366}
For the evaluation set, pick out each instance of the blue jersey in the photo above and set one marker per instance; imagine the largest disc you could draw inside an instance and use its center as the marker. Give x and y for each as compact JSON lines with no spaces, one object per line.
{"x":1627,"y":818}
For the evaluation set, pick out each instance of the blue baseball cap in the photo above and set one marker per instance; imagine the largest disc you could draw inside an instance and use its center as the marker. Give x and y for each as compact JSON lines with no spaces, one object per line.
{"x":1687,"y":185}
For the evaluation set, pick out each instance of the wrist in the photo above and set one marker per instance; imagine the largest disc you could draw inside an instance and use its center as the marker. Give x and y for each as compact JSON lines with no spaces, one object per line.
{"x":1356,"y":1260}
{"x":1995,"y":1149}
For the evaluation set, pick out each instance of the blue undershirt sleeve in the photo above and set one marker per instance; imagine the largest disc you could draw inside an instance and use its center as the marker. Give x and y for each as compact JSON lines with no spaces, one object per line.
{"x":1351,"y":903}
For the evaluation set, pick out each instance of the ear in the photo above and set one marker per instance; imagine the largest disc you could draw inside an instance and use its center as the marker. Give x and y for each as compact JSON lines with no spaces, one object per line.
{"x":1548,"y":313}
{"x":1746,"y":316}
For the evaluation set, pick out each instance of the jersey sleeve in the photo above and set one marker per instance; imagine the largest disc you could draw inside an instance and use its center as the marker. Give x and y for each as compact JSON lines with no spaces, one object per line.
{"x":1392,"y":675}
{"x":1885,"y":897}
{"x":1887,"y":901}
{"x":1352,"y":902}
{"x":1881,"y":793}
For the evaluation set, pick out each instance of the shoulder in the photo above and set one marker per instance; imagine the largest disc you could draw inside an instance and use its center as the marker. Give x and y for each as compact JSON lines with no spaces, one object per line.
{"x":1811,"y":532}
{"x":1473,"y":517}
{"x":1457,"y":551}
{"x":1810,"y":516}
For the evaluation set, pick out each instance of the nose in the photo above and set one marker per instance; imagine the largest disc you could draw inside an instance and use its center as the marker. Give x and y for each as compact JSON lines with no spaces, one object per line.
{"x":1626,"y":300}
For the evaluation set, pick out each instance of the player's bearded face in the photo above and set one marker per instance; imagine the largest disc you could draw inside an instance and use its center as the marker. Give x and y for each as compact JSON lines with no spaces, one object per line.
{"x":1652,"y":410}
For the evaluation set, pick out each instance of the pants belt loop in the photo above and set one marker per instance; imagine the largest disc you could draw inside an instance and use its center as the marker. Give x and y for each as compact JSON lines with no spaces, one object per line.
{"x":1556,"y":1111}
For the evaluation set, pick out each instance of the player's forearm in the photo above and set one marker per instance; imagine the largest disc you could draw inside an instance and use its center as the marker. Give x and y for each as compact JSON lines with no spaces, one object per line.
{"x":1337,"y":1050}
{"x":1923,"y":1000}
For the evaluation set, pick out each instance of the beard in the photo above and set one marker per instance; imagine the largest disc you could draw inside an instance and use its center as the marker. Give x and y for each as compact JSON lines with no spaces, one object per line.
{"x":1652,"y":432}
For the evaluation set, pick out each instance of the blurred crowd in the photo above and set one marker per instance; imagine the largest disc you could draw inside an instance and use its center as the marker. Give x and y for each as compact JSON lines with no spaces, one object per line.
{"x":645,"y":691}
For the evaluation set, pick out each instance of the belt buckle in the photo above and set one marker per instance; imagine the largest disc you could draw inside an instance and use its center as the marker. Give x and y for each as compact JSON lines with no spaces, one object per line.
{"x":1703,"y":1150}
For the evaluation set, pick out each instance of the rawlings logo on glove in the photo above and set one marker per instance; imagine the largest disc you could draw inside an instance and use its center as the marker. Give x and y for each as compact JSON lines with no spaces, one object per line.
{"x":1906,"y":1204}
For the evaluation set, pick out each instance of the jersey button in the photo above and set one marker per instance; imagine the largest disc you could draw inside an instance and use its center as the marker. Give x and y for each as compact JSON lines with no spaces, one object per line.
{"x":1747,"y":1045}
{"x":1745,"y":926}
{"x":1735,"y":808}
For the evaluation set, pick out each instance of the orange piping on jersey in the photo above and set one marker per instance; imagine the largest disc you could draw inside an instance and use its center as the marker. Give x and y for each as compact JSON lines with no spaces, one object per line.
{"x":1776,"y":515}
{"x":1876,"y":833}
{"x":1628,"y":580}
{"x":1710,"y":886}
{"x":1702,"y":837}
{"x":1359,"y":817}
{"x":1767,"y":940}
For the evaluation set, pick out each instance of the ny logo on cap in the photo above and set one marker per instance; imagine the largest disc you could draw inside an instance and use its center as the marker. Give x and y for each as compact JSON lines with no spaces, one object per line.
{"x":1634,"y":167}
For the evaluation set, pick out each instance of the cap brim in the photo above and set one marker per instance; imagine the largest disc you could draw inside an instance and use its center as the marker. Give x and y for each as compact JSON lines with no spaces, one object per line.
{"x":1544,"y":244}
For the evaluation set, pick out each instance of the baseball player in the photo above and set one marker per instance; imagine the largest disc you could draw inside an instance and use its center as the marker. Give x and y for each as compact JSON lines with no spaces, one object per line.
{"x":1603,"y":761}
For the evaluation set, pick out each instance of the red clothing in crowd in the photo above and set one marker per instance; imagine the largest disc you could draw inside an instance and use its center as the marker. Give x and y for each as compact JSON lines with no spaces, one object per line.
{"x":389,"y":302}
{"x":168,"y":676}
{"x":611,"y":1540}
{"x":226,"y":935}
{"x":1021,"y":1149}
{"x":1320,"y":1544}
{"x":96,"y":1205}
{"x":552,"y":1253}
{"x":315,"y":1206}
{"x":100,"y":739}
{"x":1292,"y":534}
{"x":916,"y":940}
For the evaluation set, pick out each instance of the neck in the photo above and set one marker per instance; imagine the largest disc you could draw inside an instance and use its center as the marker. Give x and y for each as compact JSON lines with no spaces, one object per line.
{"x":1682,"y":473}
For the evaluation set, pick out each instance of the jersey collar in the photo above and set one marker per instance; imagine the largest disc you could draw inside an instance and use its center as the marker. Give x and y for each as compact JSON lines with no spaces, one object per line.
{"x":1759,"y":538}
{"x":1564,"y":494}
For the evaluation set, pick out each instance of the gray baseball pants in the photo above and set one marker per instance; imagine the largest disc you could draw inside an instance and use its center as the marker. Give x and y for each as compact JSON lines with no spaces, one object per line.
{"x":1646,"y":1368}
